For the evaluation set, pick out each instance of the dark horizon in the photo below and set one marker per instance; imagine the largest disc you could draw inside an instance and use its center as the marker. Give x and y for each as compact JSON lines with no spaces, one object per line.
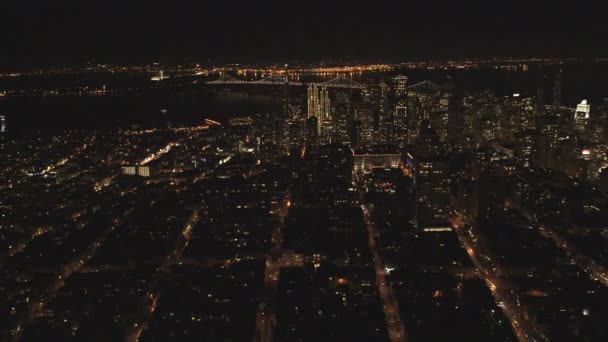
{"x":43,"y":33}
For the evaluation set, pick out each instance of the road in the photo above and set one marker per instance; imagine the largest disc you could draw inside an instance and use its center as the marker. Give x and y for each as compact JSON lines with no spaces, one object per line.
{"x":266,"y":315}
{"x":396,"y":328}
{"x":151,"y":299}
{"x":66,"y":270}
{"x":525,"y":330}
{"x":595,"y":270}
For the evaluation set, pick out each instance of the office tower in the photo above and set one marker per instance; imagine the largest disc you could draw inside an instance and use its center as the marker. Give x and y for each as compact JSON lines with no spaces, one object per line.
{"x":324,"y":104}
{"x":581,"y":116}
{"x":296,"y":125}
{"x":365,"y":116}
{"x":400,"y":86}
{"x":318,"y":105}
{"x":355,"y":132}
{"x":312,"y":136}
{"x":442,"y":116}
{"x":400,"y":129}
{"x":313,"y":101}
{"x":2,"y":123}
{"x":548,"y":142}
{"x":528,"y":114}
{"x":489,"y":127}
{"x":456,"y":120}
{"x":422,"y":101}
{"x":398,"y":132}
{"x":342,"y":118}
{"x":433,"y":193}
{"x":384,"y":115}
{"x":427,"y":142}
{"x":525,"y":149}
{"x":327,"y":132}
{"x":557,"y":88}
{"x":432,"y":179}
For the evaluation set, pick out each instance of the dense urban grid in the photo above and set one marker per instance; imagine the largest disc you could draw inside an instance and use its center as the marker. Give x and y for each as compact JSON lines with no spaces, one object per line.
{"x":367,"y":207}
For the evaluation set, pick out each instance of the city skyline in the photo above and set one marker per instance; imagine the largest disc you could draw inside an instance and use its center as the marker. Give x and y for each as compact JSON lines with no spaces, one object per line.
{"x":279,"y":171}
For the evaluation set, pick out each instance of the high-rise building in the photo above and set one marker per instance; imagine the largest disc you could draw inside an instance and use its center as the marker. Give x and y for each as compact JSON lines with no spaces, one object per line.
{"x":456,"y":120}
{"x":432,"y":179}
{"x":296,"y":125}
{"x":400,"y":130}
{"x":381,"y":92}
{"x":528,"y":114}
{"x":365,"y":116}
{"x":441,"y":118}
{"x":318,"y":105}
{"x":557,"y":88}
{"x":525,"y":149}
{"x":342,"y":118}
{"x":324,"y":104}
{"x":432,"y":192}
{"x":2,"y":123}
{"x":398,"y":133}
{"x":313,"y":100}
{"x":400,"y":86}
{"x":581,"y":116}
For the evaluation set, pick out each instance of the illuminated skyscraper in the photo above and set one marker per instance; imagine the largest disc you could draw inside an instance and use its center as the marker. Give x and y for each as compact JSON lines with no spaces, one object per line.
{"x":2,"y":123}
{"x":400,"y":86}
{"x":365,"y":116}
{"x":381,"y":92}
{"x":528,"y":114}
{"x":318,"y":105}
{"x":432,"y":180}
{"x":581,"y":116}
{"x":398,"y":132}
{"x":313,"y":100}
{"x":525,"y":149}
{"x":324,"y":105}
{"x":342,"y":118}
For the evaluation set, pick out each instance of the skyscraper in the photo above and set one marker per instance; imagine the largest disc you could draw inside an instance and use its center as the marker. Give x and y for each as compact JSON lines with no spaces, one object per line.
{"x":365,"y":116}
{"x":318,"y":105}
{"x":313,"y":100}
{"x":324,"y":104}
{"x":384,"y":117}
{"x":2,"y":123}
{"x":400,"y":86}
{"x":581,"y":116}
{"x":343,"y":118}
{"x":432,"y":180}
{"x":557,"y":88}
{"x":399,"y":130}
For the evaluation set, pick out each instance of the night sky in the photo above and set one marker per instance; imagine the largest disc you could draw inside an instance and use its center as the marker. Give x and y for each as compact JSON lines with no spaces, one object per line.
{"x":41,"y":32}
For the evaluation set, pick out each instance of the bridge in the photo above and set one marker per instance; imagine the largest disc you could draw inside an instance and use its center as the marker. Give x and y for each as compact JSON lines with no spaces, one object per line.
{"x":425,"y":86}
{"x":227,"y":79}
{"x":274,"y":79}
{"x":342,"y":82}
